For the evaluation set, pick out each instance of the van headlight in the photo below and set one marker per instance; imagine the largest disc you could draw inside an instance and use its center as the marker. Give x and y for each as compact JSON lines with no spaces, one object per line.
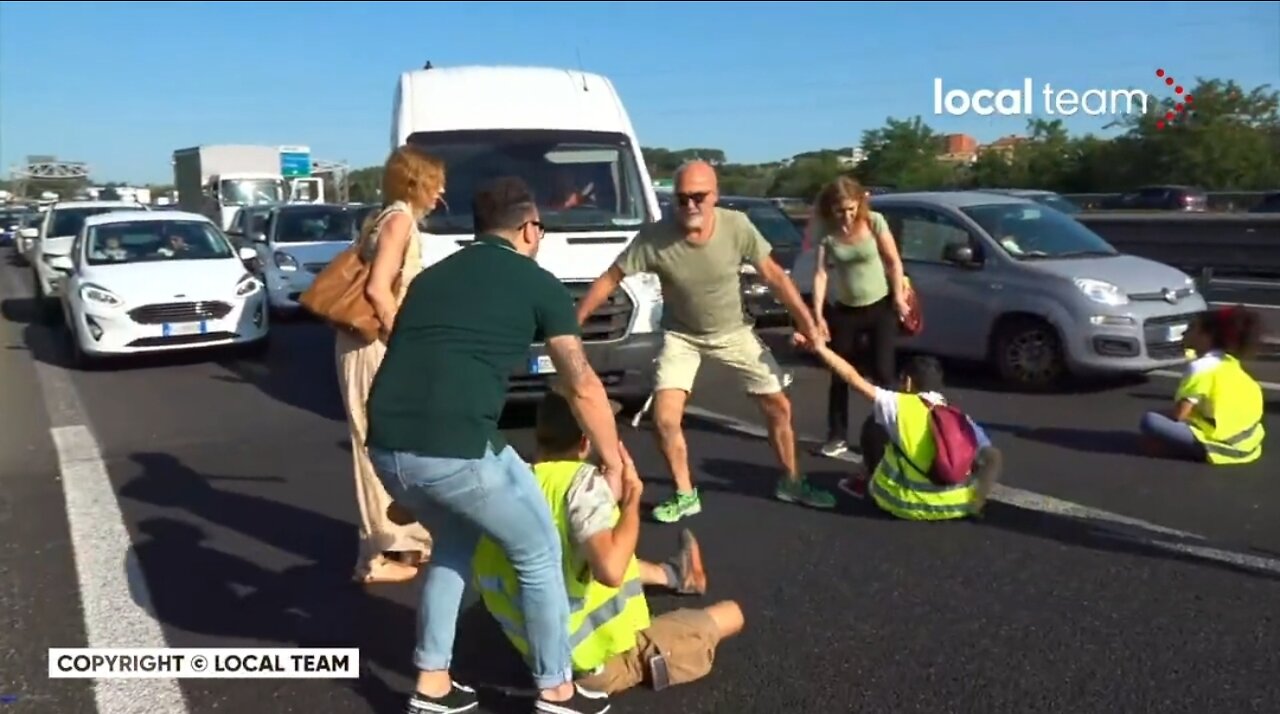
{"x":650,"y":282}
{"x":99,"y":295}
{"x":1102,"y":291}
{"x":247,"y":285}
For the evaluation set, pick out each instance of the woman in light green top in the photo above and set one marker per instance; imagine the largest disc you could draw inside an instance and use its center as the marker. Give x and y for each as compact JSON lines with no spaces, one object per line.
{"x":857,"y":255}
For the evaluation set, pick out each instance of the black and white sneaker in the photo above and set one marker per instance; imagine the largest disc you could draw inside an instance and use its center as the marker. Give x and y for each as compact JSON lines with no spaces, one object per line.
{"x":583,"y":701}
{"x":459,"y":699}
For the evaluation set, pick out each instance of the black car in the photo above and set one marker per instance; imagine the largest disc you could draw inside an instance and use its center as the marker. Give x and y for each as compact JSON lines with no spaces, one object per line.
{"x":1160,"y":198}
{"x":787,"y":241}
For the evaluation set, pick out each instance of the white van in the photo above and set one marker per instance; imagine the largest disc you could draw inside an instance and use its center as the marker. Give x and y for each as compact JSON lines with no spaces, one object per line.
{"x":567,"y":134}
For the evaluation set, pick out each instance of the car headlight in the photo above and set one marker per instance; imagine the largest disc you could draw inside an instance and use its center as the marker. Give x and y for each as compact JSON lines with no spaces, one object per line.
{"x":284,"y":261}
{"x":1102,"y":291}
{"x":649,"y":281}
{"x":247,"y":285}
{"x":100,"y":295}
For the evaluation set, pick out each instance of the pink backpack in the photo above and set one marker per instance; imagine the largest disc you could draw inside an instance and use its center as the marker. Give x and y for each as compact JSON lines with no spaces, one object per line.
{"x":956,"y":444}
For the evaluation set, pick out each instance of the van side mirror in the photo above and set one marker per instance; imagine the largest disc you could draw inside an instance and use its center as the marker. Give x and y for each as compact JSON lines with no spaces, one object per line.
{"x":29,"y":233}
{"x":246,"y":254}
{"x":959,"y":254}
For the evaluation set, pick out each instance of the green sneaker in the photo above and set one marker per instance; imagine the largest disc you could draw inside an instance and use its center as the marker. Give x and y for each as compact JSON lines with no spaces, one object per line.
{"x":678,"y":506}
{"x":802,"y":491}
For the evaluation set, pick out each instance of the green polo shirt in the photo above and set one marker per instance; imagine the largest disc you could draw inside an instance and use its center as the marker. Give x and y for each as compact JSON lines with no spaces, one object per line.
{"x":466,"y":325}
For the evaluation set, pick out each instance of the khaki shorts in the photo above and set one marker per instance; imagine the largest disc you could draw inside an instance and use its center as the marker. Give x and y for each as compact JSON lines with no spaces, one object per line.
{"x":740,"y":350}
{"x":687,"y":639}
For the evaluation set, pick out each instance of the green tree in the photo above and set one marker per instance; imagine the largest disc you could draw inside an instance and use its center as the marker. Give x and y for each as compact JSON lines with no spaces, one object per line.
{"x":904,"y":153}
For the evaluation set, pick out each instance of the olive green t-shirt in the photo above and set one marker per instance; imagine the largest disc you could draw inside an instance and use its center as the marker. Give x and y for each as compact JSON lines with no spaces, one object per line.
{"x":701,"y":284}
{"x":857,"y":272}
{"x":466,"y":325}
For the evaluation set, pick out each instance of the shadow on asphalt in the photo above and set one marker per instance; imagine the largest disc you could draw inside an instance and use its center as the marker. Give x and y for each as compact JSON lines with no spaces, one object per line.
{"x":1098,"y":441}
{"x":1112,"y":538}
{"x":957,"y":374}
{"x":200,"y":590}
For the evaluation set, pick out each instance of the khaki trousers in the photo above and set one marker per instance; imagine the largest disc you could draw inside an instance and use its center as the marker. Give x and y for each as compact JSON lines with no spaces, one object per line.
{"x":357,"y":364}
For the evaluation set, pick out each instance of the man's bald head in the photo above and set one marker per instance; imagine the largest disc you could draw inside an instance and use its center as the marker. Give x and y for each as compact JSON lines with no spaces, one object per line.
{"x":696,"y":192}
{"x":696,"y":175}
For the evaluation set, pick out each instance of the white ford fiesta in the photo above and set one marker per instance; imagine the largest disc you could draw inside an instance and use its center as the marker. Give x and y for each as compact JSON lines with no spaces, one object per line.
{"x":152,"y":281}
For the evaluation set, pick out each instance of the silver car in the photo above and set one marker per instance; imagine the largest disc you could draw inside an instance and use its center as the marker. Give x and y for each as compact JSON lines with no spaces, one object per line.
{"x":1015,"y":283}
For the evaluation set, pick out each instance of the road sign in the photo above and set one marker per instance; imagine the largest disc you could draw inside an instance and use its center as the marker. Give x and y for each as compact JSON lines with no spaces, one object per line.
{"x":294,"y":164}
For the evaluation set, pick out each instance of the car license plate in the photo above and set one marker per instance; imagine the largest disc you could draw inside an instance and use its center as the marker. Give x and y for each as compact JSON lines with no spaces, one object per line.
{"x":177,"y":329}
{"x":541,"y":364}
{"x":1176,"y":332}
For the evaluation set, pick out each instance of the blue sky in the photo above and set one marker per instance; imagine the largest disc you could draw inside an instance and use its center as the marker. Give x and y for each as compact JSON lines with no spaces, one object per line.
{"x":121,"y":86}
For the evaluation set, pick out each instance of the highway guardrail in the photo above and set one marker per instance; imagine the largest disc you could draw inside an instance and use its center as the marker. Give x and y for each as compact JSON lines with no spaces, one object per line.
{"x":1225,"y":244}
{"x":1215,"y":200}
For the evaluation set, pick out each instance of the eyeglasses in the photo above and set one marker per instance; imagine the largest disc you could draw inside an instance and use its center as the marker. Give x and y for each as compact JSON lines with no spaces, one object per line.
{"x":697,"y":198}
{"x":536,"y":224}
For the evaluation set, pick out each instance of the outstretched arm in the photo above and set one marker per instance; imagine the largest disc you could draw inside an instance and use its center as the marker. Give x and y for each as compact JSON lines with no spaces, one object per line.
{"x":581,"y":386}
{"x":841,"y":368}
{"x":600,"y":291}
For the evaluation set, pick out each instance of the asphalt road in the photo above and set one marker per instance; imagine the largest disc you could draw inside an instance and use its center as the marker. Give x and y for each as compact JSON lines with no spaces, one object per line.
{"x":1100,"y":581}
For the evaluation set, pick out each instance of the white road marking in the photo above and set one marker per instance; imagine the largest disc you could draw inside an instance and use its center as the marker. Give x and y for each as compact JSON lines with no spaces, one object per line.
{"x":1134,"y":529}
{"x":115,"y":600}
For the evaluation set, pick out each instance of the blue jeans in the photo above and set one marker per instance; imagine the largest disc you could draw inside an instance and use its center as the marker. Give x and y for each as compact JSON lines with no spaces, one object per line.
{"x":1175,"y":436}
{"x":458,"y":500}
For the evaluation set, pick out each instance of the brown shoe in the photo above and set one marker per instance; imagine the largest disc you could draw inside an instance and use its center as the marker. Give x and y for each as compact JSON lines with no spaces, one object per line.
{"x":693,"y":577}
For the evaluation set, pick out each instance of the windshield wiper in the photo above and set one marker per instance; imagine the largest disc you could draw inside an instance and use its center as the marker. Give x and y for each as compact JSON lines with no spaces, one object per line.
{"x":1085,"y":253}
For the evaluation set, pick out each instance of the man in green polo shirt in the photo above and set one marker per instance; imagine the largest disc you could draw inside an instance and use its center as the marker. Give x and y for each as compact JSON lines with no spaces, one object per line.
{"x":465,"y":326}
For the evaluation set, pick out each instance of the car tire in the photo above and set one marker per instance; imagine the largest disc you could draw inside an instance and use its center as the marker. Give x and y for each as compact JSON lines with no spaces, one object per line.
{"x":1028,"y":354}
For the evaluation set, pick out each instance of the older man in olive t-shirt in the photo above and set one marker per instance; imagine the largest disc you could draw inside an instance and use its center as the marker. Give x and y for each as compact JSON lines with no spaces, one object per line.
{"x":697,"y":255}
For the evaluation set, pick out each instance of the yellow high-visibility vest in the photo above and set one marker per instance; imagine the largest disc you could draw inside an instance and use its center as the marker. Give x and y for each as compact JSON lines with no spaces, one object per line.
{"x":1229,"y":408}
{"x":900,"y":488}
{"x":603,"y":621}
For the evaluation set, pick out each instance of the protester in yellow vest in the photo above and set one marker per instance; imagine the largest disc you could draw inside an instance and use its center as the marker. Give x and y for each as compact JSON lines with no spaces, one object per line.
{"x":1218,"y":408}
{"x":616,"y":644}
{"x":902,"y":428}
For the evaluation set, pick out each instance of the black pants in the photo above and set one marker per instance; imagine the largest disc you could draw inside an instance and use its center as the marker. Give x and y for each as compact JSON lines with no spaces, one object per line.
{"x":865,"y":337}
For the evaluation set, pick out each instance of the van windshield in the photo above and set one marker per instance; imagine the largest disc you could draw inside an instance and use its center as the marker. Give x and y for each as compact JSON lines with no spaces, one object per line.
{"x":583,"y":181}
{"x":1030,"y":231}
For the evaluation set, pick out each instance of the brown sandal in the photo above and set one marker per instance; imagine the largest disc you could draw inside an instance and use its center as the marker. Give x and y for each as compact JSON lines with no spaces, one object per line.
{"x":387,"y":570}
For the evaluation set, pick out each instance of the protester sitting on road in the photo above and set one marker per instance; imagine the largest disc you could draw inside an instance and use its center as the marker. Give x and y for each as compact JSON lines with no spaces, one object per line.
{"x":1218,"y":408}
{"x":602,"y":574}
{"x":466,"y":325}
{"x":903,"y":448}
{"x":697,"y":255}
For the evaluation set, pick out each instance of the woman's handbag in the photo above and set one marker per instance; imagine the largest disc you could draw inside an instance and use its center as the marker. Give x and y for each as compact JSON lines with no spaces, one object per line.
{"x":913,"y":323}
{"x":337,"y":294}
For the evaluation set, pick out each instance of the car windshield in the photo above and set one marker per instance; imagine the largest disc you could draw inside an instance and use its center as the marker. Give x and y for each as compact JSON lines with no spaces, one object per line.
{"x":1027,"y":231}
{"x":776,"y":227}
{"x":313,"y":224}
{"x":69,"y":221}
{"x":251,"y":192}
{"x":1053,"y":200}
{"x":582,"y":181}
{"x":152,"y":241}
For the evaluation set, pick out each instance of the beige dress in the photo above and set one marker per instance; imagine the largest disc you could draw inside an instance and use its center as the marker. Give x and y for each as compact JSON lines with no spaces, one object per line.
{"x":357,"y":364}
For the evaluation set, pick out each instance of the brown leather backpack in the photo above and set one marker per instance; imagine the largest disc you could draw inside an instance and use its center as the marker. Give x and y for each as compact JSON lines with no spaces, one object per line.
{"x":337,"y":294}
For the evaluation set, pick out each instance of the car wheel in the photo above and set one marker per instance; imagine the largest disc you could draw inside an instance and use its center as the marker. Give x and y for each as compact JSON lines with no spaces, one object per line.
{"x":1028,"y":354}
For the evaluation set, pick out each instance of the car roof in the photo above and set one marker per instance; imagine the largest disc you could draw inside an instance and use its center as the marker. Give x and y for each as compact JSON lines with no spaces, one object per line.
{"x":748,"y":201}
{"x":134,"y":216}
{"x":953,"y":199}
{"x":1017,"y":191}
{"x":95,"y":204}
{"x":300,"y":206}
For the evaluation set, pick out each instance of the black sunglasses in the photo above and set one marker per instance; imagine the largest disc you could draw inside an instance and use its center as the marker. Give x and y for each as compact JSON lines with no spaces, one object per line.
{"x":697,"y":198}
{"x":536,"y":224}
